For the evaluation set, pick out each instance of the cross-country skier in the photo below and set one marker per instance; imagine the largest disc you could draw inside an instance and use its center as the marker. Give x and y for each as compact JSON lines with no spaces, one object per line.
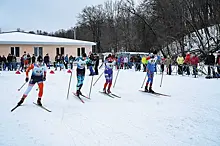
{"x":150,"y":72}
{"x":80,"y":72}
{"x":38,"y":76}
{"x":109,"y":63}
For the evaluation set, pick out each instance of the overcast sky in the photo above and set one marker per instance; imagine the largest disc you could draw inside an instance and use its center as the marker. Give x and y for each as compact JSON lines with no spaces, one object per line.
{"x":48,"y":15}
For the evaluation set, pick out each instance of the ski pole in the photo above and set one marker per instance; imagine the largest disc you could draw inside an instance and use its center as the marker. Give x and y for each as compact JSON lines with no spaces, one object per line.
{"x":91,"y":86}
{"x":101,"y":65}
{"x":116,"y":78}
{"x":69,"y":85}
{"x":98,"y":79}
{"x":144,"y":81}
{"x":22,"y":86}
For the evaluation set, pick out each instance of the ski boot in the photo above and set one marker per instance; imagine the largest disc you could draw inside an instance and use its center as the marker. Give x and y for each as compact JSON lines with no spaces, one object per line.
{"x":39,"y":102}
{"x":108,"y":91}
{"x":150,"y":90}
{"x":21,"y":101}
{"x":80,"y":93}
{"x":146,"y":90}
{"x":104,"y":90}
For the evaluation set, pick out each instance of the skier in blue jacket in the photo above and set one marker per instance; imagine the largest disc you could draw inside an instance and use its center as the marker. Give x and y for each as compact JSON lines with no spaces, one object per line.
{"x":150,"y":72}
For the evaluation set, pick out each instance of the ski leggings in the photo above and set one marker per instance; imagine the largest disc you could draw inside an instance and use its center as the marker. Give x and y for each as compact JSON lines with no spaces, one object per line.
{"x":80,"y":79}
{"x":150,"y":77}
{"x":108,"y":78}
{"x":91,"y":70}
{"x":30,"y":86}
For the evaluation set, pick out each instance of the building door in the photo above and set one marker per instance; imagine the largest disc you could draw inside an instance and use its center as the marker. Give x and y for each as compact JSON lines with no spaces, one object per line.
{"x":38,"y":51}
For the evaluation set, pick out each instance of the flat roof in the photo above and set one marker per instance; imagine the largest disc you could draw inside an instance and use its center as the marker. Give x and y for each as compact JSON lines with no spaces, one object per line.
{"x":29,"y":39}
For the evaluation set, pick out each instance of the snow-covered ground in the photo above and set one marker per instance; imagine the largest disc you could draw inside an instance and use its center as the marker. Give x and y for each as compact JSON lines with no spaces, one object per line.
{"x":190,"y":117}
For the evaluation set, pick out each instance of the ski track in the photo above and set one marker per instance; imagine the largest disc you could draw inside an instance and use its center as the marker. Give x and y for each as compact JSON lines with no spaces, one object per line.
{"x":190,"y":117}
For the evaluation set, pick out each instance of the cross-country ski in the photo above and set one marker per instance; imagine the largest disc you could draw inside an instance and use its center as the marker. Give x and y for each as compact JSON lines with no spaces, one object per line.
{"x":41,"y":106}
{"x":155,"y":93}
{"x":78,"y":96}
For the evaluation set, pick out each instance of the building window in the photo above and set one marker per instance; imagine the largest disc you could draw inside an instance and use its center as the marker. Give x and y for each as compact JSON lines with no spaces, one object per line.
{"x":15,"y":51}
{"x":83,"y":50}
{"x":57,"y":51}
{"x":38,"y":51}
{"x":60,"y":51}
{"x":78,"y":52}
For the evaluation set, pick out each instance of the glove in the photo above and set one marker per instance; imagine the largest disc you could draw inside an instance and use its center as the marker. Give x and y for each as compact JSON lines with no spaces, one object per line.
{"x":44,"y":78}
{"x":27,"y":79}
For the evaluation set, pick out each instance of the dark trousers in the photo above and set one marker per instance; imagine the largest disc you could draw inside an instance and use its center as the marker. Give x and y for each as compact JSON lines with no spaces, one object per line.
{"x":169,"y":69}
{"x":162,"y":67}
{"x":180,"y":69}
{"x":96,"y":70}
{"x":187,"y":70}
{"x":71,"y":65}
{"x":195,"y":72}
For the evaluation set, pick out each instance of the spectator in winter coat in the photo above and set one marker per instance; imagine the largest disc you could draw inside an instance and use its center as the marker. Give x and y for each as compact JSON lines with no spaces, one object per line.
{"x":125,"y":62}
{"x":71,"y":60}
{"x":168,"y":62}
{"x":57,"y":61}
{"x":122,"y":62}
{"x":187,"y":58}
{"x":9,"y":60}
{"x":47,"y":60}
{"x":210,"y":61}
{"x":187,"y":63}
{"x":29,"y":58}
{"x":131,"y":62}
{"x":218,"y":62}
{"x":118,"y":62}
{"x":66,"y":61}
{"x":4,"y":60}
{"x":138,"y":63}
{"x":194,"y":62}
{"x":25,"y":60}
{"x":91,"y":64}
{"x":180,"y":61}
{"x":14,"y":62}
{"x":144,"y":62}
{"x":33,"y":59}
{"x":22,"y":63}
{"x":96,"y":62}
{"x":62,"y":62}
